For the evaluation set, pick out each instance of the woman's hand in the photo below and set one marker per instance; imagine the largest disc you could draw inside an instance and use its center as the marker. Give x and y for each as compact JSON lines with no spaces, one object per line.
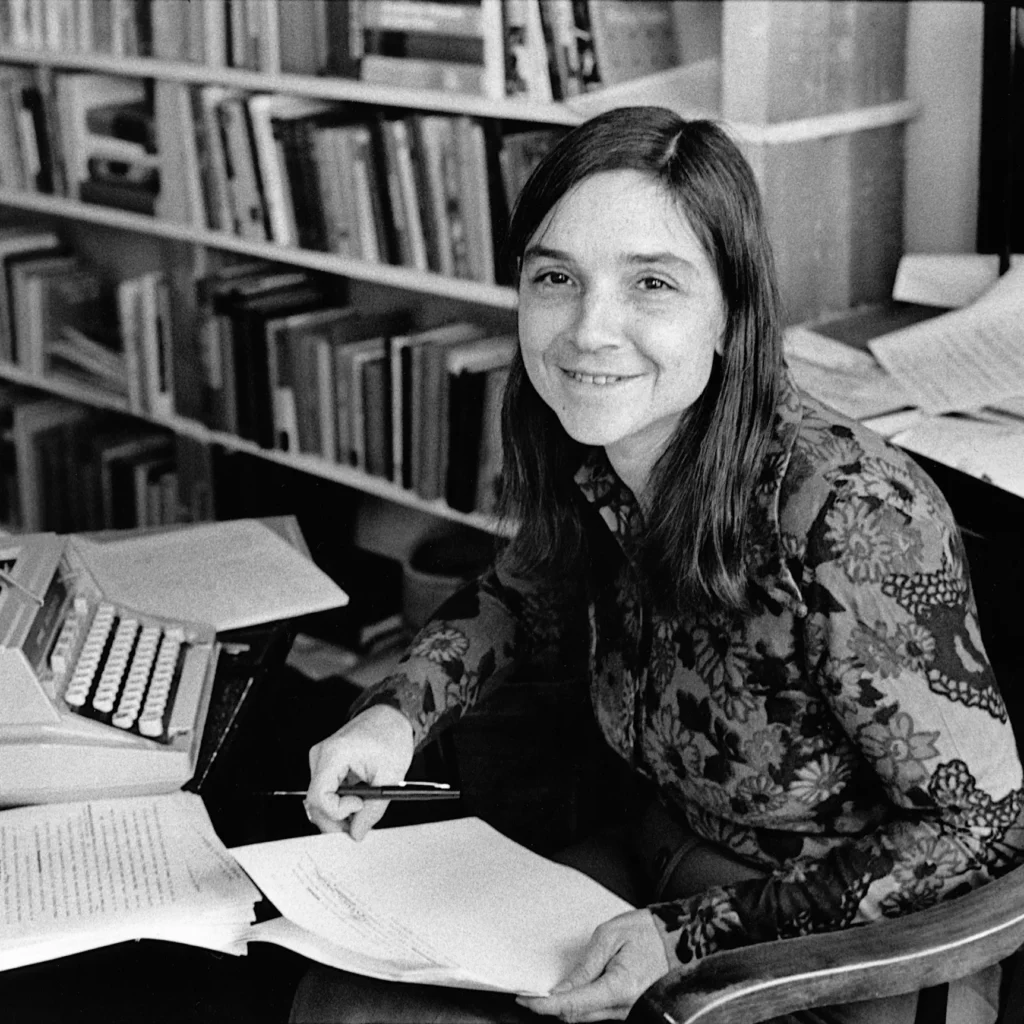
{"x":625,"y":956}
{"x":375,"y":747}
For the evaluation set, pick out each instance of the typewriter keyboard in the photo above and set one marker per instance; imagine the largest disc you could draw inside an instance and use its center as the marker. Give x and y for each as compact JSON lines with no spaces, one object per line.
{"x":126,"y":672}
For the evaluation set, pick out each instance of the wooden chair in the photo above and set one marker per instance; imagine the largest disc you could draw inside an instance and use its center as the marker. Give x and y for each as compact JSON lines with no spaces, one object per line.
{"x":926,"y":950}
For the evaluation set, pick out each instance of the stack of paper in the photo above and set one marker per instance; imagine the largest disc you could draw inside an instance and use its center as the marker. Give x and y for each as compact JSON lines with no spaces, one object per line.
{"x":447,"y":903}
{"x":951,"y":387}
{"x":79,"y":876}
{"x":229,"y":574}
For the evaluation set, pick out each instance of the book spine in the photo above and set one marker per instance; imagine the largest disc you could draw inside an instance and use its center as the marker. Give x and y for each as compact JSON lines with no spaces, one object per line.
{"x":326,"y":391}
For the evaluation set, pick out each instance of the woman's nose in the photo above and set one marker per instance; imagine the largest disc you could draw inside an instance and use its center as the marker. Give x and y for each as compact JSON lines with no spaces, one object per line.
{"x":597,"y":321}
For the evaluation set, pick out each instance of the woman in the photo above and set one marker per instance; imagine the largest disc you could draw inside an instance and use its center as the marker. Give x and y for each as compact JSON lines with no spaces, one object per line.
{"x":783,"y":640}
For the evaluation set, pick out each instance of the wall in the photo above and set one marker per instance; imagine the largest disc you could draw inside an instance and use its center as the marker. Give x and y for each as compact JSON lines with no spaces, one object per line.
{"x":944,"y":75}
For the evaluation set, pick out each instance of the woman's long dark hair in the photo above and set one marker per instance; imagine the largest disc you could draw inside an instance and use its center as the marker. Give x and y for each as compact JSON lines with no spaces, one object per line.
{"x":702,"y":486}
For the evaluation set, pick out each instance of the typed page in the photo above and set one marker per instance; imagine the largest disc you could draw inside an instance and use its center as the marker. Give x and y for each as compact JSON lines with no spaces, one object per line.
{"x":966,"y":359}
{"x":95,"y":871}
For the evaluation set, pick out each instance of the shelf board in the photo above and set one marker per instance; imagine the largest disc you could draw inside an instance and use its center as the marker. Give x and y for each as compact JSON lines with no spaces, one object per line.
{"x":340,"y":89}
{"x":404,"y":278}
{"x":312,"y":464}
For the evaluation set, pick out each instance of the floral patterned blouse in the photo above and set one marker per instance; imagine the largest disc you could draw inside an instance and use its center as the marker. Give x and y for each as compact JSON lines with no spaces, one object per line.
{"x":845,"y":735}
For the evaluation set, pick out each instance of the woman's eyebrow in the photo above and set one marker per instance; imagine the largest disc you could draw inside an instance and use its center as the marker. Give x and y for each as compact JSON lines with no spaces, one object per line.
{"x":544,"y":252}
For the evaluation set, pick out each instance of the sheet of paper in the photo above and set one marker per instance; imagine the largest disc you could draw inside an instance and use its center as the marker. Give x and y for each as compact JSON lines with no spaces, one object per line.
{"x":841,"y":376}
{"x":452,"y":900}
{"x":227,"y":575}
{"x":950,"y":280}
{"x":966,"y":359}
{"x":82,"y":875}
{"x":989,"y":451}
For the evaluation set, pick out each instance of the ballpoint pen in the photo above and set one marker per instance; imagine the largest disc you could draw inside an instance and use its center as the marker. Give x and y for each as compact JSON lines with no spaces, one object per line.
{"x":391,"y":791}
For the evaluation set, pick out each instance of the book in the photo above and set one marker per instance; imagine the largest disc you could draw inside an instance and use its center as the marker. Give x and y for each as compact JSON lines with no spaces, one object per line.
{"x":117,"y":461}
{"x":244,"y":182}
{"x":403,"y":193}
{"x":266,"y":112}
{"x":632,"y":40}
{"x":519,"y":154}
{"x":474,"y":198}
{"x":467,"y":368}
{"x":404,"y":386}
{"x":17,"y":243}
{"x":525,"y":53}
{"x":332,"y":157}
{"x":180,"y":198}
{"x":249,"y":317}
{"x":30,"y":280}
{"x":27,"y":420}
{"x":282,"y":335}
{"x":376,"y":415}
{"x":215,"y":332}
{"x":454,"y":47}
{"x":488,"y":474}
{"x":432,"y":432}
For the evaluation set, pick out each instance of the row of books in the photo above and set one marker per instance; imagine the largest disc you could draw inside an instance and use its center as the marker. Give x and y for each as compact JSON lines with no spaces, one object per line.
{"x":296,"y":36}
{"x":427,"y":191}
{"x":62,"y":317}
{"x":67,"y":467}
{"x":280,"y":358}
{"x":537,"y":49}
{"x":292,"y":368}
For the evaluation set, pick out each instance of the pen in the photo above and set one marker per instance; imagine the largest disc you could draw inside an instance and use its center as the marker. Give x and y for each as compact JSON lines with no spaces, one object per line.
{"x":393,"y":791}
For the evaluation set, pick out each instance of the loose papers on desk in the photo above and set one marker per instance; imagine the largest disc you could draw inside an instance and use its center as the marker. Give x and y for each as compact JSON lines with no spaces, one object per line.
{"x":966,"y":359}
{"x":78,"y":876}
{"x":841,"y":376}
{"x":446,"y":903}
{"x":229,"y":574}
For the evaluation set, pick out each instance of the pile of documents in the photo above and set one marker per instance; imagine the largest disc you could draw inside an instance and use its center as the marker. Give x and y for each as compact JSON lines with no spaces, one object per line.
{"x":447,"y":903}
{"x":950,"y":388}
{"x":78,"y":876}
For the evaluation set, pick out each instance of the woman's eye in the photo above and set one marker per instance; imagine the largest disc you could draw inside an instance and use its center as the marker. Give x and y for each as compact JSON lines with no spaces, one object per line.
{"x":552,"y":277}
{"x":653,"y":284}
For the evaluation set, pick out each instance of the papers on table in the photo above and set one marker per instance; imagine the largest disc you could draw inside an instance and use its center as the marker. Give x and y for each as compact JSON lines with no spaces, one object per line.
{"x":841,"y":376}
{"x":965,"y":359}
{"x":78,"y":876}
{"x":949,"y":280}
{"x":447,"y":903}
{"x":228,"y":575}
{"x":968,"y":362}
{"x":992,"y":451}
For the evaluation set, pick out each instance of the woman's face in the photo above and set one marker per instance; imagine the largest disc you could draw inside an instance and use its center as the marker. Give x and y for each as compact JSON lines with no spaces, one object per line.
{"x":620,"y":315}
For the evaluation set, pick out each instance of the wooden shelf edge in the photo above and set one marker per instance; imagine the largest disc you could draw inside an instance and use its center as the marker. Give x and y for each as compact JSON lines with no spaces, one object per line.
{"x":402,"y":278}
{"x":340,"y":89}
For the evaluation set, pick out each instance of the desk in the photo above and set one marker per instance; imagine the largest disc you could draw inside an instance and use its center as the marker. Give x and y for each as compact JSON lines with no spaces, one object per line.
{"x":256,"y":737}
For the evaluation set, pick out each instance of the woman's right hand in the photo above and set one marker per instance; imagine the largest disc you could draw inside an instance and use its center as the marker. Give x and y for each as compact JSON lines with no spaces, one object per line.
{"x":376,"y":747}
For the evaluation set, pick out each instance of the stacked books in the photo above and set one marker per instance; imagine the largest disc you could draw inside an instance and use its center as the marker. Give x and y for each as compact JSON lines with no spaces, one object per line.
{"x":292,"y":366}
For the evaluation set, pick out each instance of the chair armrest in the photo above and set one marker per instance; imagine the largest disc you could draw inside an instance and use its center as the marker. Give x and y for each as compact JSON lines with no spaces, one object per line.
{"x":954,"y":939}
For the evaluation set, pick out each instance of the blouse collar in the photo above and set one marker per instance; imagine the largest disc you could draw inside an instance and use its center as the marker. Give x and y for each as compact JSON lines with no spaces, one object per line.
{"x":619,"y":509}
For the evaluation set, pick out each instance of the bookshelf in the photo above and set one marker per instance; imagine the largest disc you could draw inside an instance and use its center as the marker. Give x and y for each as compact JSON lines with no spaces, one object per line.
{"x":811,"y":91}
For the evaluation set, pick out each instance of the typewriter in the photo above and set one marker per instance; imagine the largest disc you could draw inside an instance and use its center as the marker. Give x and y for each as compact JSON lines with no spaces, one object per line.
{"x":96,"y":699}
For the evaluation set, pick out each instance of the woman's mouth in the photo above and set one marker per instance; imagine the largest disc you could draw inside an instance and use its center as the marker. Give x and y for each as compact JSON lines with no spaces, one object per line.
{"x":599,"y":379}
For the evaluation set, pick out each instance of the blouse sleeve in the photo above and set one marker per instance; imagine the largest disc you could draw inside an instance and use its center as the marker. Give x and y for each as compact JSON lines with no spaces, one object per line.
{"x":892,"y":641}
{"x":485,"y":629}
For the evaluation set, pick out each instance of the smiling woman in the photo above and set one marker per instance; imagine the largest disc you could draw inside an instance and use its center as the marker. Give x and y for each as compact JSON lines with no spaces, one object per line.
{"x":620,"y":317}
{"x":780,"y":634}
